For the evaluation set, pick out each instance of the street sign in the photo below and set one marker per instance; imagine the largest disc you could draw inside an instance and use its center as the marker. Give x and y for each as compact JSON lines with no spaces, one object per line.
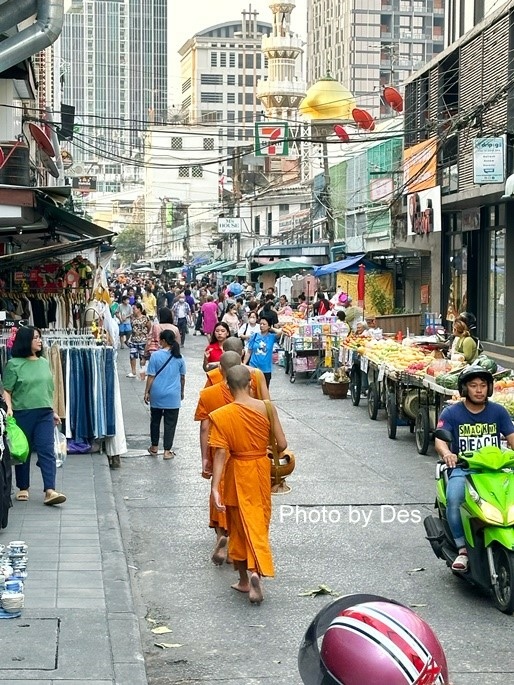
{"x":229,"y":225}
{"x":84,"y":183}
{"x":271,"y":139}
{"x":489,"y":160}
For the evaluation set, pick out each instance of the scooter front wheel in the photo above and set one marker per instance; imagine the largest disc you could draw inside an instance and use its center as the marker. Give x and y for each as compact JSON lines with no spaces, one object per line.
{"x":504,"y":589}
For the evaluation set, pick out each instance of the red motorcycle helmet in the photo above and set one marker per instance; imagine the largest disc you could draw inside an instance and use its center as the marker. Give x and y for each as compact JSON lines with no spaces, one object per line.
{"x":368,"y":639}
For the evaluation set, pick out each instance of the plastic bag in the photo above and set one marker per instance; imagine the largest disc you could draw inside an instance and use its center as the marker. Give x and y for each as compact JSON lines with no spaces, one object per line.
{"x":16,"y":441}
{"x":60,"y":447}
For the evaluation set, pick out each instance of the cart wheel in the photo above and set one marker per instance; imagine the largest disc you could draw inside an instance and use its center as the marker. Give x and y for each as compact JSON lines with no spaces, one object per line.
{"x":422,"y":431}
{"x":392,"y":416}
{"x":373,"y":401}
{"x":355,"y":385}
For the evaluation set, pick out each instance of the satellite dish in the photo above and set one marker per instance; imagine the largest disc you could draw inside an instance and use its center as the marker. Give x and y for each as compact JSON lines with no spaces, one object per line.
{"x":341,"y":133}
{"x":363,"y":119}
{"x":42,"y":140}
{"x":49,"y":164}
{"x":393,"y":98}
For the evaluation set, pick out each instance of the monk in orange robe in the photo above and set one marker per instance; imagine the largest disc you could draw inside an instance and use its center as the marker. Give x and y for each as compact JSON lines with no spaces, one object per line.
{"x":259,"y":388}
{"x":212,"y":398}
{"x":240,"y":434}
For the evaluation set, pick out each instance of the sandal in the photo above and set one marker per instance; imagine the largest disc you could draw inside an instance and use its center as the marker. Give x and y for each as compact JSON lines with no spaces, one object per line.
{"x":22,"y":496}
{"x":153,"y":451}
{"x":169,"y":454}
{"x":461,"y":563}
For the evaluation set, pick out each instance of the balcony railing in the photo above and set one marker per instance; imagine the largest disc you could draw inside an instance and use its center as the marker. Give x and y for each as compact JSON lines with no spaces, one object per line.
{"x":291,"y":42}
{"x":266,"y":87}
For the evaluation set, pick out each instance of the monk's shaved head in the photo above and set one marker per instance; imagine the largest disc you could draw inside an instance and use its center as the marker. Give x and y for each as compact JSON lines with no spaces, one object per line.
{"x":228,"y":360}
{"x":233,"y":344}
{"x":238,"y":377}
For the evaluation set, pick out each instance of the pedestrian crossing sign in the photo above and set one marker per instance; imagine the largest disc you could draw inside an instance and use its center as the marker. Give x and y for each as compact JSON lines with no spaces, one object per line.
{"x":271,"y":139}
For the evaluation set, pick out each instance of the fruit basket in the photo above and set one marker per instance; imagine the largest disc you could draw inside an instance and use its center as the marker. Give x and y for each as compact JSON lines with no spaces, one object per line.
{"x":336,"y":391}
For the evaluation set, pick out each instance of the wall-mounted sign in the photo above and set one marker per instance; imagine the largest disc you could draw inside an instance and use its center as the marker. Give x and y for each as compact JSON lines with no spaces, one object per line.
{"x":271,"y":139}
{"x":420,"y":166}
{"x":424,"y":212}
{"x":229,"y":225}
{"x":84,"y":183}
{"x":489,"y":160}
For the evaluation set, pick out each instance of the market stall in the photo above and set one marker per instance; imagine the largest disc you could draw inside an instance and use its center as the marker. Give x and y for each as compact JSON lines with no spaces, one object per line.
{"x":310,"y":346}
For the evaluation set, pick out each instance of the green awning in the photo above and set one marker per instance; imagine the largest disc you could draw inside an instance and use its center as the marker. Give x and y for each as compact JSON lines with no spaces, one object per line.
{"x":282,"y":265}
{"x":241,"y":272}
{"x":223,"y":268}
{"x":208,"y":268}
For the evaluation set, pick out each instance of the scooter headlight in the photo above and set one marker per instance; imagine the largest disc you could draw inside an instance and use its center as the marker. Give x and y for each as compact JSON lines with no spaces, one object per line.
{"x":490,"y":512}
{"x":473,"y":494}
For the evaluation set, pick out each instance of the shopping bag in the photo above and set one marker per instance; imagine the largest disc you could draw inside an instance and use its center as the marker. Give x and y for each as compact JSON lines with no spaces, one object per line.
{"x":60,"y":447}
{"x":16,"y":441}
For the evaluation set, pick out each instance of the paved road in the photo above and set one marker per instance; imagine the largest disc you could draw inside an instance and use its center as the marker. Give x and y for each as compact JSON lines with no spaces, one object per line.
{"x":347,"y":469}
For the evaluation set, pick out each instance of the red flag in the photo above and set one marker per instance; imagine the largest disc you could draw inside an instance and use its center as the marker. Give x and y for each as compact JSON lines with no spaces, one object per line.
{"x":361,"y":285}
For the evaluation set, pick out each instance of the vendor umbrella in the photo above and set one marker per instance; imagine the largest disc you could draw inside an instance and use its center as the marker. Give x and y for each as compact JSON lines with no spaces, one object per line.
{"x":361,"y":285}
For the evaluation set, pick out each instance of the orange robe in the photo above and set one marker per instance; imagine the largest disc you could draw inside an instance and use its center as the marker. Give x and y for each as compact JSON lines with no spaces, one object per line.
{"x":210,"y":399}
{"x":244,"y":434}
{"x":256,"y":378}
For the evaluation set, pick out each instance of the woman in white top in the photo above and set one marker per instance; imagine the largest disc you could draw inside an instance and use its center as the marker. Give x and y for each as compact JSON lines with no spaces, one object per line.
{"x":248,"y":329}
{"x":231,"y":318}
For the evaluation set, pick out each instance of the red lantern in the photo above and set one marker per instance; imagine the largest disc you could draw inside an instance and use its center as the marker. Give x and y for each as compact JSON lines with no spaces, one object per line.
{"x":341,"y":133}
{"x":393,"y":98}
{"x":363,"y":119}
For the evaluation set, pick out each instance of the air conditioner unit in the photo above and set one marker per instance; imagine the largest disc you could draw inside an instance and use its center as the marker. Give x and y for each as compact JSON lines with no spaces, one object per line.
{"x":16,"y":170}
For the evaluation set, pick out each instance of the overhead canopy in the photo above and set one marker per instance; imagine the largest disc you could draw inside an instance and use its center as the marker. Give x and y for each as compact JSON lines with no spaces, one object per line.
{"x":225,"y":266}
{"x":341,"y":265}
{"x":207,"y":268}
{"x":70,"y":225}
{"x":31,"y":256}
{"x":282,"y":265}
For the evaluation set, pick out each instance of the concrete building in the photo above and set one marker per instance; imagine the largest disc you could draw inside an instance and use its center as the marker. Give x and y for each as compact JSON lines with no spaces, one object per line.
{"x":181,"y":190}
{"x":458,"y":123}
{"x":462,"y":15}
{"x":114,"y":71}
{"x":367,"y":44}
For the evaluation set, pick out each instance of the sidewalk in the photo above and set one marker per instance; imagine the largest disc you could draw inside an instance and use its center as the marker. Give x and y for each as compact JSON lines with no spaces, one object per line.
{"x":79,"y":625}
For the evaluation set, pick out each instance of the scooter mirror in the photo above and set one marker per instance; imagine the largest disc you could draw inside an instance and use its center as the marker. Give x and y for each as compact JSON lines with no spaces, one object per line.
{"x":443,"y":435}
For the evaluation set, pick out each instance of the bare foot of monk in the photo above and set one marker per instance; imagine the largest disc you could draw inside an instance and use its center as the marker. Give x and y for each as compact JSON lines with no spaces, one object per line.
{"x":255,"y":595}
{"x":220,"y":551}
{"x":241,"y":587}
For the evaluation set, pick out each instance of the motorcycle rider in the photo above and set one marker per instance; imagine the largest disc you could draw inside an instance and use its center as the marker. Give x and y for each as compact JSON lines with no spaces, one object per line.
{"x":474,"y":423}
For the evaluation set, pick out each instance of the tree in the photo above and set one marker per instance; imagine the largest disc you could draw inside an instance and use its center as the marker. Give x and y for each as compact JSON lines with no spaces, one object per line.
{"x":130,"y":243}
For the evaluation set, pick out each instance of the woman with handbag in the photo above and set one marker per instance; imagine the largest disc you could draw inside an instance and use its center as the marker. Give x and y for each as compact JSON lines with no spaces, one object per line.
{"x":29,"y":396}
{"x":165,"y":382}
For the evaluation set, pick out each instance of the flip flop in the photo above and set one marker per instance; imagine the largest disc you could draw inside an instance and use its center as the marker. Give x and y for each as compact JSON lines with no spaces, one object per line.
{"x":169,"y":455}
{"x":58,"y":498}
{"x":22,"y":496}
{"x":152,"y":452}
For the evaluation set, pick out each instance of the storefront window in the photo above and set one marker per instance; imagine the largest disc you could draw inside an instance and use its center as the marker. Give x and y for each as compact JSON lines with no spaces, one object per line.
{"x":496,"y":291}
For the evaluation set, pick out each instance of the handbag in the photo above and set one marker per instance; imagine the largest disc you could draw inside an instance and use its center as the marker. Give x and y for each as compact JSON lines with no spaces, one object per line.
{"x":283,"y":463}
{"x":16,"y":441}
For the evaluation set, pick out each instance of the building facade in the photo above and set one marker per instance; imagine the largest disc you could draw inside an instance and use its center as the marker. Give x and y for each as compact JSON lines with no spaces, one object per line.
{"x":367,"y":44}
{"x":462,"y":15}
{"x":114,"y":71}
{"x":458,"y":207}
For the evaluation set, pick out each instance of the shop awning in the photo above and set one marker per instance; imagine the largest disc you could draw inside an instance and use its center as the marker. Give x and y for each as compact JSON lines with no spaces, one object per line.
{"x":70,"y":225}
{"x":223,"y":268}
{"x":282,"y":265}
{"x":207,"y":268}
{"x":39,"y":253}
{"x":341,"y":265}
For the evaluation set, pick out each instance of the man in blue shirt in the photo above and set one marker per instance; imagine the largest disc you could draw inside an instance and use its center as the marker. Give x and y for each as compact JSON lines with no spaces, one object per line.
{"x":259,"y":353}
{"x":473,"y":423}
